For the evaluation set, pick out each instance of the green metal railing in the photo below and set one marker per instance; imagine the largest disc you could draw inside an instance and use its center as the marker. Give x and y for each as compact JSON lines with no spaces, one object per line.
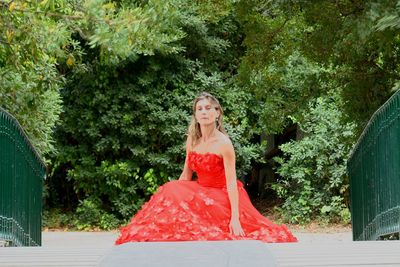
{"x":21,"y":184}
{"x":374,"y":171}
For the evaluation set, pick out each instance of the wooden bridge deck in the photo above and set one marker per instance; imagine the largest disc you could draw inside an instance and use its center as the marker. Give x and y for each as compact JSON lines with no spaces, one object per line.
{"x":89,"y":249}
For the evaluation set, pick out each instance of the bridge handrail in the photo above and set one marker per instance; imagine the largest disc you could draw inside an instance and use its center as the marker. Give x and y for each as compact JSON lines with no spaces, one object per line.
{"x":21,"y":183}
{"x":374,"y":172}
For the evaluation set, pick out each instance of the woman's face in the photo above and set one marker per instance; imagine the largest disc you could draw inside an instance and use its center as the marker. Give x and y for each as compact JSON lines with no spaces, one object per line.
{"x":206,"y":113}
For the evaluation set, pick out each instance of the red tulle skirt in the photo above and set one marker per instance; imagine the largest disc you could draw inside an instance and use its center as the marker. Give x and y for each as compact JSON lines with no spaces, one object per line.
{"x":185,"y":210}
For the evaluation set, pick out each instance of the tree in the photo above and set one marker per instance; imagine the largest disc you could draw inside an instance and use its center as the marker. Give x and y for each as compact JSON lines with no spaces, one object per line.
{"x":313,"y":181}
{"x":298,"y":52}
{"x":357,"y":39}
{"x":38,"y":47}
{"x":124,"y":122}
{"x":362,"y":51}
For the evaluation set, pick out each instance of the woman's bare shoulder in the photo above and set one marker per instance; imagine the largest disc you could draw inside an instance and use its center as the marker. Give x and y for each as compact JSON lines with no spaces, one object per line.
{"x":225,"y":143}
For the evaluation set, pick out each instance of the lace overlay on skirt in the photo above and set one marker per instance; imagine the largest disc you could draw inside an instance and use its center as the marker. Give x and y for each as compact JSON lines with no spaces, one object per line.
{"x":199,"y":210}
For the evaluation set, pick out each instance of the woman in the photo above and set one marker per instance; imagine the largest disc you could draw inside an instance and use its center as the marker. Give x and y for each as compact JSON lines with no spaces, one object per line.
{"x":215,"y":206}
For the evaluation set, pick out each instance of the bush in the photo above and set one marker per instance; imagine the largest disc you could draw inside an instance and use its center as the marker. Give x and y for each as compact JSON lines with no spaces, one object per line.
{"x":122,"y":131}
{"x":56,"y":219}
{"x":313,"y":180}
{"x":89,"y":214}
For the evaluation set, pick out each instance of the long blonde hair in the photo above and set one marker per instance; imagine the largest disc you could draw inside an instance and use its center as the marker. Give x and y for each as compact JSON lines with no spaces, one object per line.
{"x":194,"y":131}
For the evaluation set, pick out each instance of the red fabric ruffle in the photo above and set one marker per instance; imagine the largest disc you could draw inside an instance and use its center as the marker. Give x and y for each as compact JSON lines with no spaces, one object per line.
{"x":189,"y":210}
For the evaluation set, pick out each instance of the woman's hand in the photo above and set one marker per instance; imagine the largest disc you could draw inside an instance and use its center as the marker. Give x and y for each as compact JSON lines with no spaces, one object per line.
{"x":235,"y":227}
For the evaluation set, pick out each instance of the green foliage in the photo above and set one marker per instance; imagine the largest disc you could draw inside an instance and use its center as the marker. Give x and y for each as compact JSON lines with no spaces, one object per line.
{"x":89,"y":214}
{"x":40,"y":42}
{"x":242,"y":110}
{"x":30,"y":81}
{"x":354,"y":37}
{"x":313,"y":170}
{"x":116,"y":79}
{"x":131,"y":29}
{"x":123,"y":126}
{"x":274,"y":68}
{"x":56,"y":219}
{"x":358,"y":39}
{"x":298,"y":51}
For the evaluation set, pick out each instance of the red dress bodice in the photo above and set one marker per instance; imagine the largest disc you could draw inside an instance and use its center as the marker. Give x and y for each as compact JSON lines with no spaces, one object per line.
{"x":209,"y":168}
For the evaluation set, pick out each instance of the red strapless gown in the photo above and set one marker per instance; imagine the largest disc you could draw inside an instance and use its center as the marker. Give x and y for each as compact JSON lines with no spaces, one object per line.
{"x":199,"y":210}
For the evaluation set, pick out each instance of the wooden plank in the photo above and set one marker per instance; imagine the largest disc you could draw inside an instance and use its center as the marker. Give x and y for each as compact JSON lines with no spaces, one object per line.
{"x":316,"y":253}
{"x":43,"y":256}
{"x":370,"y":253}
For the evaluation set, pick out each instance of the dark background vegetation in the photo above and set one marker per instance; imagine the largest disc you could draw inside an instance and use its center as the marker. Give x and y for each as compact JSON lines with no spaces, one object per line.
{"x":104,"y":90}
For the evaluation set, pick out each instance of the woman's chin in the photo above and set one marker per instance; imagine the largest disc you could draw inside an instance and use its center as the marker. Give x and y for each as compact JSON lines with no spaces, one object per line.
{"x":205,"y":123}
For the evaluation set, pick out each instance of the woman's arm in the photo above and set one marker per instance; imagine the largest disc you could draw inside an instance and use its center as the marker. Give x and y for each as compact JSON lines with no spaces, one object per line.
{"x":228,"y":154}
{"x":187,"y":173}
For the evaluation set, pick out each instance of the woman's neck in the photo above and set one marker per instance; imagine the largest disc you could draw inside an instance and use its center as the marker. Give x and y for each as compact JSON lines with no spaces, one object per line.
{"x":207,"y":132}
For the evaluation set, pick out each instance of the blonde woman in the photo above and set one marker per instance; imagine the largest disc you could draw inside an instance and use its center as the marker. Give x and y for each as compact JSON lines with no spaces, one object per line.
{"x":215,"y":206}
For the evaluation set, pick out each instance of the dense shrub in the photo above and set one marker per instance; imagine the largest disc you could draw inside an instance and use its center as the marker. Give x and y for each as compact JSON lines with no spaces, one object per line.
{"x":313,"y":183}
{"x":123,"y":126}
